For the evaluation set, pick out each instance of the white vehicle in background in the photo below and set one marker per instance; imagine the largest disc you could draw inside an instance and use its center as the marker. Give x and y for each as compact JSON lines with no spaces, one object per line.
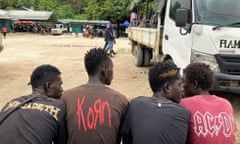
{"x":58,"y":29}
{"x":189,"y":31}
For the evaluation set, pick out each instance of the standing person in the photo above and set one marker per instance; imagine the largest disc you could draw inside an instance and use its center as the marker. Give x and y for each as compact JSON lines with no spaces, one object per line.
{"x":110,"y":24}
{"x":105,"y":38}
{"x":133,"y":18}
{"x":4,"y":31}
{"x":105,"y":44}
{"x":158,"y":119}
{"x":41,"y":117}
{"x":95,"y":111}
{"x":110,"y":39}
{"x":212,"y":120}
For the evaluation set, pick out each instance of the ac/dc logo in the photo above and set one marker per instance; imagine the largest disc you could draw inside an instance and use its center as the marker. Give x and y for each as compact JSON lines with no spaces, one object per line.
{"x":95,"y":116}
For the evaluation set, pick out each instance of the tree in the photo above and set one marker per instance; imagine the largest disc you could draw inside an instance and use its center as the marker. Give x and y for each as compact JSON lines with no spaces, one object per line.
{"x":77,"y":5}
{"x":108,"y":9}
{"x":86,"y":9}
{"x":64,"y":11}
{"x":48,"y":5}
{"x":13,"y":4}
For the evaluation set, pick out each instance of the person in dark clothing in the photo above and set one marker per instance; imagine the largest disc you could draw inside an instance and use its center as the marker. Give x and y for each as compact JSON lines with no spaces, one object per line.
{"x":105,"y":44}
{"x":110,"y":39}
{"x":95,"y":111}
{"x":42,"y":119}
{"x":158,"y":119}
{"x":109,"y":25}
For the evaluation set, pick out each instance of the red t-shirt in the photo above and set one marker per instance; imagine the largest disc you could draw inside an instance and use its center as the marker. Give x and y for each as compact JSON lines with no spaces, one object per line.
{"x":4,"y":29}
{"x":212,"y":120}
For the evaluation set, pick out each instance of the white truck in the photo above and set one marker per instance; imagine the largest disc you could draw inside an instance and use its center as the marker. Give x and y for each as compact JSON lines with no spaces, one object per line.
{"x":58,"y":29}
{"x":189,"y":31}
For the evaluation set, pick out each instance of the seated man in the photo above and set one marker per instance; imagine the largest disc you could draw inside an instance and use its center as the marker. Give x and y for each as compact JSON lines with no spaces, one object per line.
{"x":212,"y":120}
{"x":158,"y":119}
{"x":38,"y":118}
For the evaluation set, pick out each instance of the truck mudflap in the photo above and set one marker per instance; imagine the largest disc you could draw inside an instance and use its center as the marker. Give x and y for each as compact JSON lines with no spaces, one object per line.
{"x":226,"y":83}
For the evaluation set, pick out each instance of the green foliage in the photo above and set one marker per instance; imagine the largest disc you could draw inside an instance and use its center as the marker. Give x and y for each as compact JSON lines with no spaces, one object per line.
{"x":108,"y":9}
{"x":48,"y":5}
{"x":64,"y":11}
{"x":77,"y":5}
{"x":80,"y":9}
{"x":80,"y":16}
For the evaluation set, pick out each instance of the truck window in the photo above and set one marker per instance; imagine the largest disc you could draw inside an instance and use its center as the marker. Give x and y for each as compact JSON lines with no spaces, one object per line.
{"x":176,"y":4}
{"x":217,"y":12}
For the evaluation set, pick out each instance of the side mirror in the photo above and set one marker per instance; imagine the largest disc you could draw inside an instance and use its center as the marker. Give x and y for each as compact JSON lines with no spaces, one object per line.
{"x":181,"y":17}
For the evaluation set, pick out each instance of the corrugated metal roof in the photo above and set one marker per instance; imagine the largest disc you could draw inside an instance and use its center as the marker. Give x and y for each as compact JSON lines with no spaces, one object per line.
{"x":3,"y":14}
{"x":25,"y":14}
{"x":85,"y":21}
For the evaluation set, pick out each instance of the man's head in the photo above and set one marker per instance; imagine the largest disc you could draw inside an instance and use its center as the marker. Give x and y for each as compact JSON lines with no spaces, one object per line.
{"x":198,"y":78}
{"x":165,"y":78}
{"x":99,"y":64}
{"x":48,"y":79}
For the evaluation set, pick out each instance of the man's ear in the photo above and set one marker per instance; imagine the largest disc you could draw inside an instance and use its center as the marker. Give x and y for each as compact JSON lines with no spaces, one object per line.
{"x":195,"y":84}
{"x":166,"y":87}
{"x":47,"y":86}
{"x":104,"y":70}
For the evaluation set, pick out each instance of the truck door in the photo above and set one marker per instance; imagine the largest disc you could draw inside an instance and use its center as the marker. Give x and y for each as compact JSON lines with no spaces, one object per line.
{"x":175,"y":44}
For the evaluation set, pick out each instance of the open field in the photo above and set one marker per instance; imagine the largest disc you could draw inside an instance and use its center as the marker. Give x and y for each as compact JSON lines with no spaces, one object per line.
{"x":23,"y":52}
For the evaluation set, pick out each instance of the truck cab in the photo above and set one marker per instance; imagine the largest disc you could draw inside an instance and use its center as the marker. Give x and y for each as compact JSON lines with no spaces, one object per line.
{"x":58,"y":29}
{"x":195,"y":31}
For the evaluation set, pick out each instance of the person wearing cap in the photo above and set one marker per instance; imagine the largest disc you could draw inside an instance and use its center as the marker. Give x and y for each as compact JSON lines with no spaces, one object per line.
{"x":158,"y":119}
{"x":38,"y":118}
{"x":212,"y":117}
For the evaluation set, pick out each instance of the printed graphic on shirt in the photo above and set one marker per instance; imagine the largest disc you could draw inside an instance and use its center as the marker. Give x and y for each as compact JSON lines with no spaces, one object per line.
{"x":211,"y":125}
{"x":52,"y":110}
{"x":95,"y":116}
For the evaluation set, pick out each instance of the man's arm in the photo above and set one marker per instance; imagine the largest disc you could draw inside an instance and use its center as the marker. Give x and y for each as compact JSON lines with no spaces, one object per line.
{"x":62,"y":135}
{"x":127,"y":139}
{"x":125,"y":130}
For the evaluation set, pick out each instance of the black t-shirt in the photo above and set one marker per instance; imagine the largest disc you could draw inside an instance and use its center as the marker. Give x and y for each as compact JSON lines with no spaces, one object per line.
{"x":151,"y":121}
{"x":41,"y":121}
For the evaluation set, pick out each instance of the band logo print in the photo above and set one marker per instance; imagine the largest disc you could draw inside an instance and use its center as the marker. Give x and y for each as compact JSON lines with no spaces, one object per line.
{"x":211,"y":125}
{"x":95,"y":116}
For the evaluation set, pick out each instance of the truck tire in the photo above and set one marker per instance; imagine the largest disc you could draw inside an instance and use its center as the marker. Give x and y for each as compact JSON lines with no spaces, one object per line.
{"x":139,"y":56}
{"x":134,"y":48}
{"x":147,"y":57}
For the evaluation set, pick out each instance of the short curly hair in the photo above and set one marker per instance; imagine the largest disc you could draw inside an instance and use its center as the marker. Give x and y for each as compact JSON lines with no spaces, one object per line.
{"x":161,"y":73}
{"x":94,"y":59}
{"x":43,"y":74}
{"x":201,"y":73}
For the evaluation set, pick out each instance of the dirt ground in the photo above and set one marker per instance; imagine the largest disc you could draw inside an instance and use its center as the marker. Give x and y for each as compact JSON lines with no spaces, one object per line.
{"x":23,"y":52}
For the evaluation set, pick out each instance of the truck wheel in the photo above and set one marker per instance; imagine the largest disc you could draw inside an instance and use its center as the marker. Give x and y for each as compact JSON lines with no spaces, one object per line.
{"x":134,"y":48}
{"x":147,"y":57}
{"x":139,"y":57}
